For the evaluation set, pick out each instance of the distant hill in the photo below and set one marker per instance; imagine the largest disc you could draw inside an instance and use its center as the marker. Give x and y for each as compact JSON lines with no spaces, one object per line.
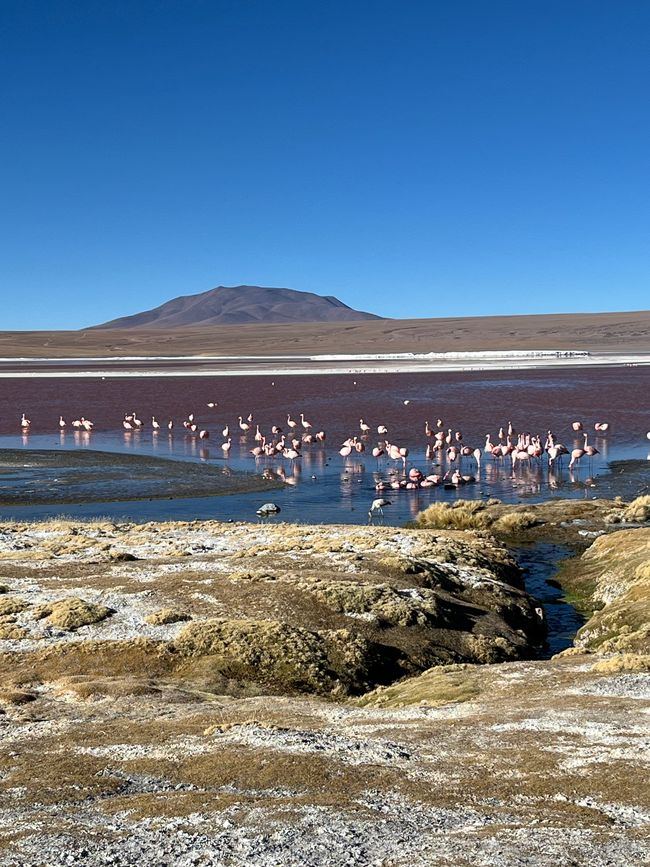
{"x":241,"y":305}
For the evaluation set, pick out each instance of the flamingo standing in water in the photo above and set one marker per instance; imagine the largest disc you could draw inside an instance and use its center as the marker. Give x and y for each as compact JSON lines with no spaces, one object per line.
{"x":576,"y":454}
{"x":61,"y":422}
{"x":226,"y":447}
{"x":24,"y":423}
{"x":306,"y":425}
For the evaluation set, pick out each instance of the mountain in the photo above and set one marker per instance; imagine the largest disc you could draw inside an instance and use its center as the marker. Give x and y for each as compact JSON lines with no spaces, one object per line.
{"x":239,"y":305}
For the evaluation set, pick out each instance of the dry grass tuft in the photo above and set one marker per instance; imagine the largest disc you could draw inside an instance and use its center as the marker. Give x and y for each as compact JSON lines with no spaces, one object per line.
{"x":623,"y":662}
{"x":463,"y":515}
{"x":72,"y":613}
{"x":437,"y":686}
{"x":512,"y":523}
{"x":165,"y":616}
{"x":12,"y":632}
{"x":281,"y":655}
{"x":16,"y":696}
{"x":12,"y":605}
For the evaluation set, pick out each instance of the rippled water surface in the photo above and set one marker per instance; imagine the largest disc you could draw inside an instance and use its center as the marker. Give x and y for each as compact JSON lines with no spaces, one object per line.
{"x":322,"y":485}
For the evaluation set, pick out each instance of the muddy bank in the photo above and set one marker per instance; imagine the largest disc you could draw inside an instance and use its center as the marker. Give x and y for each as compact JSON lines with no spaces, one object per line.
{"x":49,"y":477}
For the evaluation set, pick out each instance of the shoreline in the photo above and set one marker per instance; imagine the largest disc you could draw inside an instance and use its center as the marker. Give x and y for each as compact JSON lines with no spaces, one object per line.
{"x":305,"y":365}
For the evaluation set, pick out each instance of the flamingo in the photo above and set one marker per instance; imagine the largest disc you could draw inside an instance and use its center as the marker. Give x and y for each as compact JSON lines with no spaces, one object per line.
{"x":377,"y":507}
{"x":601,"y":426}
{"x":87,"y":424}
{"x":170,"y":425}
{"x":306,"y":425}
{"x":291,"y":423}
{"x":243,"y":426}
{"x":576,"y":454}
{"x":226,"y":431}
{"x":320,"y":436}
{"x":24,"y":422}
{"x":382,"y":430}
{"x":204,"y":434}
{"x":155,"y":424}
{"x":590,"y":451}
{"x":226,"y":447}
{"x":363,"y":427}
{"x":576,"y":425}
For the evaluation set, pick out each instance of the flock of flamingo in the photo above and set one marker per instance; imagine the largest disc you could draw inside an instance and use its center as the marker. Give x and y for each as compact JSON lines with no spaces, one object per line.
{"x":445,"y":447}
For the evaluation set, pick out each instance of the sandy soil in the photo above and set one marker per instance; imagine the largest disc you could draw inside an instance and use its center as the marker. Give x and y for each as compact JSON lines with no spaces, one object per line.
{"x":118,"y":749}
{"x":609,"y":332}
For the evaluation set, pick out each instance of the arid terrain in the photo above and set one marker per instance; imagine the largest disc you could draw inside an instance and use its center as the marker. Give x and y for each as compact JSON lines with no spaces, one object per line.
{"x":232,"y":694}
{"x":603,"y":332}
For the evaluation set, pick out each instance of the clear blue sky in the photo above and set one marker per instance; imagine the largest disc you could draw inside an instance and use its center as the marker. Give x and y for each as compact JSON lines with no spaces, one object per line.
{"x":415,"y":158}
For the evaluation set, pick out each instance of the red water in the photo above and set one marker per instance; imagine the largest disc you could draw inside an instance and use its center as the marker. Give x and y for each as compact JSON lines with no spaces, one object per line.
{"x":477,"y":403}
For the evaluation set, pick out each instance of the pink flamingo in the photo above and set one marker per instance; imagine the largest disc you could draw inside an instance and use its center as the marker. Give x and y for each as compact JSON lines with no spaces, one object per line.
{"x":226,"y":447}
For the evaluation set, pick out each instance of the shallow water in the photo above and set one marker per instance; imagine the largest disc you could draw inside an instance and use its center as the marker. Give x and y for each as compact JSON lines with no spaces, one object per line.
{"x":540,"y":563}
{"x":323,"y":486}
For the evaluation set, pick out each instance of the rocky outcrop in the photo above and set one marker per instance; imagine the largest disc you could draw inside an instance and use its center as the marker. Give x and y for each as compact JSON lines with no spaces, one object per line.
{"x":329,"y":610}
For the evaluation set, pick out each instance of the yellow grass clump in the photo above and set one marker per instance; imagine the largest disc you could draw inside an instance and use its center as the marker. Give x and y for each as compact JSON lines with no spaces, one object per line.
{"x":165,"y":616}
{"x":278,"y":654}
{"x":12,"y":605}
{"x":444,"y":684}
{"x":623,"y":662}
{"x":72,"y":613}
{"x":462,"y":515}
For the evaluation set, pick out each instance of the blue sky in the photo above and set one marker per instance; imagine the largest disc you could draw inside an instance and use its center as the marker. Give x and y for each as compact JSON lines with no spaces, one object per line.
{"x":412,"y":158}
